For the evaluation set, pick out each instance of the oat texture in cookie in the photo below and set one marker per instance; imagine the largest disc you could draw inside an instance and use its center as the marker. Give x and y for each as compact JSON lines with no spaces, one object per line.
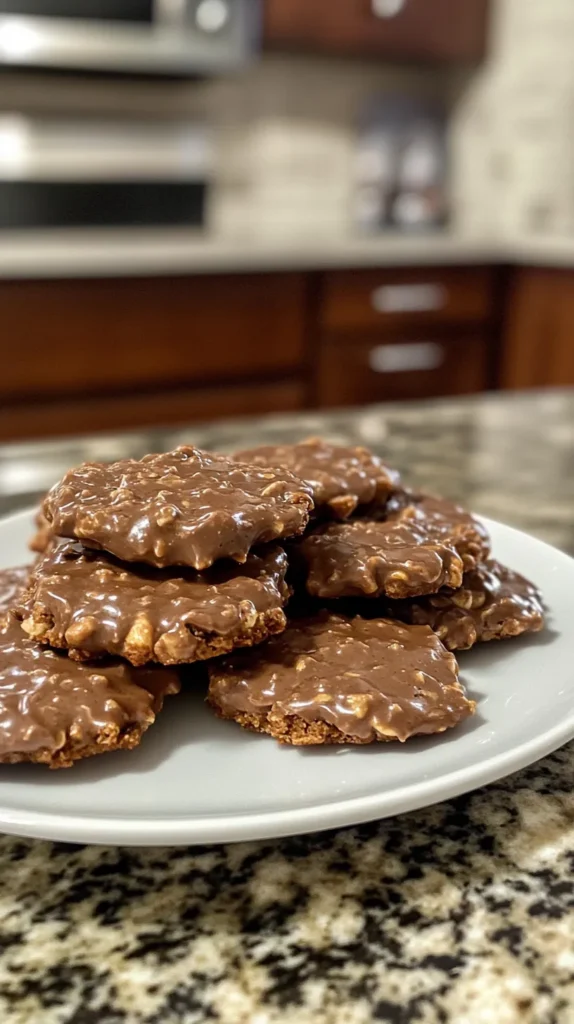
{"x":342,"y":477}
{"x":94,"y":605}
{"x":44,"y":534}
{"x":364,"y":558}
{"x":415,"y":548}
{"x":56,"y":711}
{"x":185,"y":507}
{"x":443,"y":519}
{"x":493,"y":603}
{"x":333,"y":679}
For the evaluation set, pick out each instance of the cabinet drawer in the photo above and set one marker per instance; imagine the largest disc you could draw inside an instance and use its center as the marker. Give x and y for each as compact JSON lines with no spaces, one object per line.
{"x":416,"y":29}
{"x":397,"y":298}
{"x":87,"y":336}
{"x":116,"y":412}
{"x":365,"y":370}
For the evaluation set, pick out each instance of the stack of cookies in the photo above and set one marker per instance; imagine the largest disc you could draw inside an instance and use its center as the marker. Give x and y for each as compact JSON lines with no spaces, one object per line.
{"x":393,"y":582}
{"x":54,"y":710}
{"x":324,"y":598}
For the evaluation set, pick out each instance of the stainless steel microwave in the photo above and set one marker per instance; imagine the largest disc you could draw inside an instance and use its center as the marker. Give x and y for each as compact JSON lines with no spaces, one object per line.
{"x":132,"y":36}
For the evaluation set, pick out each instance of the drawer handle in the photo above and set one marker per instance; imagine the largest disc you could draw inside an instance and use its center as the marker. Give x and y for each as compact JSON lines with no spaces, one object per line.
{"x":408,"y":298}
{"x":387,"y":8}
{"x":421,"y":355}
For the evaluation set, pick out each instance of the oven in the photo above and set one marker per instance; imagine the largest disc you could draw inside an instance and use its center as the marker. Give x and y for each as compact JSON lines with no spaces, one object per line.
{"x":93,"y":172}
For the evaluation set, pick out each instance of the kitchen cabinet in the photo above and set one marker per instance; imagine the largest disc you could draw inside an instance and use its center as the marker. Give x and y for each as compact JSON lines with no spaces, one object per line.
{"x":400,"y":334}
{"x":105,"y":354}
{"x":91,"y":355}
{"x":86,"y":415}
{"x":395,"y":299}
{"x":538,"y":346}
{"x":124,"y":333}
{"x":413,"y":367}
{"x":434,"y":30}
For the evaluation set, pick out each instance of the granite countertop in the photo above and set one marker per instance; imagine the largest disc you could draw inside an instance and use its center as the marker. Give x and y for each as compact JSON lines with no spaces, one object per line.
{"x":462,"y":913}
{"x":141,"y":251}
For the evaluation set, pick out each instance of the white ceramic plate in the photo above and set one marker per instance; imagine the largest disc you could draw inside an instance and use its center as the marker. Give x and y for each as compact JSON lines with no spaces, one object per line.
{"x":196,"y":779}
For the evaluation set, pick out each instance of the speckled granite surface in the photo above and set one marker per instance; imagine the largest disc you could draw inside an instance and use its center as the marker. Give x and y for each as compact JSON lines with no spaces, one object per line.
{"x":461,"y":913}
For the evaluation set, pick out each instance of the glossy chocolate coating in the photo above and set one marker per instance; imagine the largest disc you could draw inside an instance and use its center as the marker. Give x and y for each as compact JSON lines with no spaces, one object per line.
{"x":493,"y":603}
{"x":44,"y":533}
{"x":55,"y":710}
{"x":443,"y":518}
{"x":362,"y":558}
{"x":368,"y":679}
{"x":341,"y":477}
{"x":185,"y":507}
{"x":415,"y":548}
{"x":91,"y":603}
{"x":12,"y":583}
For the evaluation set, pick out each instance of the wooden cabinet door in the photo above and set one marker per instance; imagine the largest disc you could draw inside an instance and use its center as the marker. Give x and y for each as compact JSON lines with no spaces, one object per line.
{"x":121,"y":334}
{"x":107,"y":412}
{"x":538,"y":347}
{"x":414,"y":29}
{"x":356,"y":371}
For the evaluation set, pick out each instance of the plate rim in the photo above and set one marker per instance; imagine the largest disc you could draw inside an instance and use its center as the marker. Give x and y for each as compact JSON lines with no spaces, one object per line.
{"x":253,"y":826}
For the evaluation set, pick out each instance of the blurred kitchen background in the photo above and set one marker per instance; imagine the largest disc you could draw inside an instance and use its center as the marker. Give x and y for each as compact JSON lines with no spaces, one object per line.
{"x":211,"y":208}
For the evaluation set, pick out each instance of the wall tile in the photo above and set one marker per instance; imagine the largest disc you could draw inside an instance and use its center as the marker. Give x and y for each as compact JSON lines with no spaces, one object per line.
{"x":285,"y":129}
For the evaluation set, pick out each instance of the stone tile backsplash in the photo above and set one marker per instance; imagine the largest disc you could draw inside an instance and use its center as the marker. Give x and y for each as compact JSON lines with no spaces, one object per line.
{"x":285,"y":130}
{"x":512,"y":144}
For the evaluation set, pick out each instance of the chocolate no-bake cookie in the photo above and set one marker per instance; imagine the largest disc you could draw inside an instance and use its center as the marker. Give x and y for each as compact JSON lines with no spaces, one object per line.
{"x":44,"y":533}
{"x":55,"y":711}
{"x":443,"y":518}
{"x":363,"y":558}
{"x":94,"y":605}
{"x":331,"y":679}
{"x":12,"y":583}
{"x":185,"y":507}
{"x":414,"y":550}
{"x":493,"y":603}
{"x":341,"y":477}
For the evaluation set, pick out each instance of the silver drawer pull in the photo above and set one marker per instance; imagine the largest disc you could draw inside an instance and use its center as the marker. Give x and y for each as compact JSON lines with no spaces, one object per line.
{"x":421,"y":355}
{"x":408,"y":298}
{"x":387,"y":8}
